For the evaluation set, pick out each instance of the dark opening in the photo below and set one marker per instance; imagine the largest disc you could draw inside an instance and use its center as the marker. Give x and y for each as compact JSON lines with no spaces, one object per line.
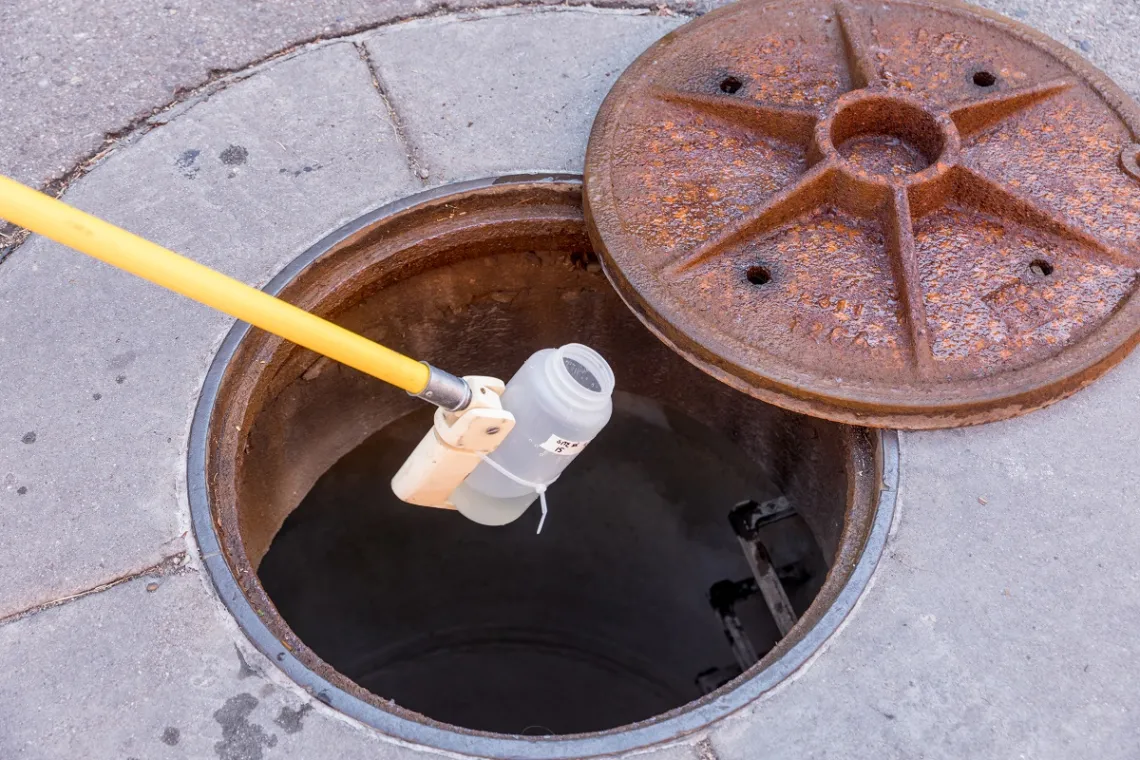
{"x":759,"y":275}
{"x":582,"y":375}
{"x":602,"y":620}
{"x":984,"y":79}
{"x":731,"y":85}
{"x":1041,"y":267}
{"x":637,"y":598}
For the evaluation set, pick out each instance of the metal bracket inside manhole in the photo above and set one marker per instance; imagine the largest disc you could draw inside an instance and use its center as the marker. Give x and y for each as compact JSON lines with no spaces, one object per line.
{"x":907,"y":214}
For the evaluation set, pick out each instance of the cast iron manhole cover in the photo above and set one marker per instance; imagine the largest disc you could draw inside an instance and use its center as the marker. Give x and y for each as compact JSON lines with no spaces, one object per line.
{"x":911,"y":214}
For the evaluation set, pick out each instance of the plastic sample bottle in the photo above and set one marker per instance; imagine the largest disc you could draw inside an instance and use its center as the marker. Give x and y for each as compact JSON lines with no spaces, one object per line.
{"x":561,"y":399}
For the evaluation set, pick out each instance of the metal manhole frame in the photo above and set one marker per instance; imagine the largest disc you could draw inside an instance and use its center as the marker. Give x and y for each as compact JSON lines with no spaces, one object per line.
{"x":670,"y":727}
{"x":1034,"y":386}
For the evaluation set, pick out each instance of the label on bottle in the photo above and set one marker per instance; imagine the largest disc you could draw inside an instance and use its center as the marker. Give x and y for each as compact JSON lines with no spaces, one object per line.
{"x":556,"y":445}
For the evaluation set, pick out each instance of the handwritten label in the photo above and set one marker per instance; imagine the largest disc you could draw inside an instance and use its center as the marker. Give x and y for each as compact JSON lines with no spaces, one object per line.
{"x":556,"y":445}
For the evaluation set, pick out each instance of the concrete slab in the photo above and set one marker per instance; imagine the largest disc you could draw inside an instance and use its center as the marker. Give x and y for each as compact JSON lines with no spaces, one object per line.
{"x":81,"y":74}
{"x":154,"y":669}
{"x":86,"y":69}
{"x":149,"y":670}
{"x":505,"y":91}
{"x":93,"y":433}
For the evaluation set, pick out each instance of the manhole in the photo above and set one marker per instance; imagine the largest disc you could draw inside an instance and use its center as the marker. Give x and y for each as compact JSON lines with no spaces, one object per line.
{"x":699,"y":552}
{"x":910,"y":214}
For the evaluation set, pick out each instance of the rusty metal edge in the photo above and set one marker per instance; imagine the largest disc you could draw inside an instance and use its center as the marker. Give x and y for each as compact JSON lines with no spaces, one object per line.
{"x":1064,"y":374}
{"x":850,"y":582}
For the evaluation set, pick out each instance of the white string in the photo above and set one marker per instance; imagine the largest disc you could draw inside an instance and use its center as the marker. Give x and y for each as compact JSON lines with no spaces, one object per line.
{"x":539,"y":488}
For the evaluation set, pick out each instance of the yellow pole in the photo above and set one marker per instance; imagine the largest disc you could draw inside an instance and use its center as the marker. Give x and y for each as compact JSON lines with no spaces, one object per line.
{"x":88,"y":234}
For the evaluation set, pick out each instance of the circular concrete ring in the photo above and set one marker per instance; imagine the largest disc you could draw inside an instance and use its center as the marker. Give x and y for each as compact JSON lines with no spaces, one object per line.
{"x":217,"y":444}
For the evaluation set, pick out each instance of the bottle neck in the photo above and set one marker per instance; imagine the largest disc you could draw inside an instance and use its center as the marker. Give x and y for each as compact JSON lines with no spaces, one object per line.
{"x":579,"y":376}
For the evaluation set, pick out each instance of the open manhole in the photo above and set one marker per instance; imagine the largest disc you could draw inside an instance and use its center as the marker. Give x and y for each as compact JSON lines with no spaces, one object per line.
{"x":698,"y":552}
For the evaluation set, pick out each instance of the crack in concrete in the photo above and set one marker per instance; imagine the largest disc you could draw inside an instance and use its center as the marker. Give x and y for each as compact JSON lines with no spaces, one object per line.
{"x":12,"y":236}
{"x":174,"y":564}
{"x":411,"y":151}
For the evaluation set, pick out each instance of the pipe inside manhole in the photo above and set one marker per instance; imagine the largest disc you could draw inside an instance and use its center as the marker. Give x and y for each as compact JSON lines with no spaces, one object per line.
{"x":635,"y":611}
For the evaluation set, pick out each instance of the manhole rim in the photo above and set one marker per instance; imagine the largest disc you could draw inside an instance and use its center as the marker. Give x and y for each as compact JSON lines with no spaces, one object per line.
{"x":969,"y":402}
{"x":679,"y":723}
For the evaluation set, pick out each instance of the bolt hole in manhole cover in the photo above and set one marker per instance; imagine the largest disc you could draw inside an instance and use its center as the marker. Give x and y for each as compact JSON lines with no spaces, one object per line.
{"x":699,"y":551}
{"x":905,"y":214}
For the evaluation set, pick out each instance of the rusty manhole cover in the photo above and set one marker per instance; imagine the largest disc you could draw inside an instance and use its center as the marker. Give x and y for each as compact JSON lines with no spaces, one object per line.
{"x":911,"y":214}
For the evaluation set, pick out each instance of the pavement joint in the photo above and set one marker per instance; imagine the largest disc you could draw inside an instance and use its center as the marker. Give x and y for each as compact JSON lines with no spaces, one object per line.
{"x":398,"y":129}
{"x":174,"y":564}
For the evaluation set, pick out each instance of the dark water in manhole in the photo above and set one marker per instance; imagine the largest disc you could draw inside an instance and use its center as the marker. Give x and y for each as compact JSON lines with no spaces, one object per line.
{"x":600,"y":621}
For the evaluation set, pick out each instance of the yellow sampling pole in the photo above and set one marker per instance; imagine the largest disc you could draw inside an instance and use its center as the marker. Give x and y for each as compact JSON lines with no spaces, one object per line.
{"x":88,"y":234}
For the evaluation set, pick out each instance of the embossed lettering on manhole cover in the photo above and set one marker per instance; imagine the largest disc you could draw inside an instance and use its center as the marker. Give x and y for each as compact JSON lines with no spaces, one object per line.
{"x":909,"y":214}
